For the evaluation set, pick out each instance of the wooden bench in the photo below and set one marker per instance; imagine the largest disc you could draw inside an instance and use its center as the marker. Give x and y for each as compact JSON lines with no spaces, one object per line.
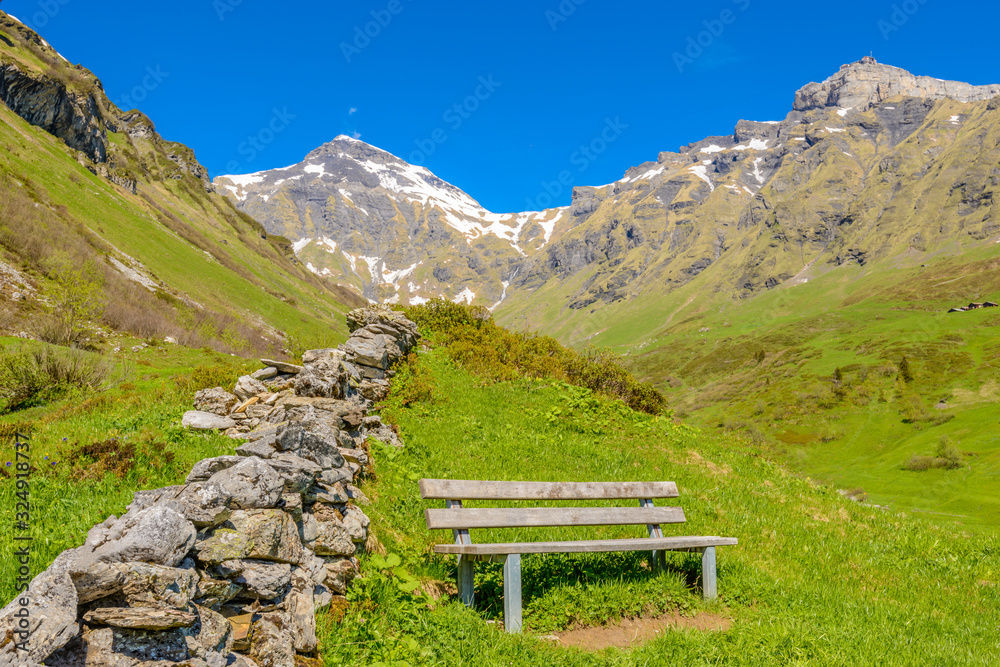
{"x":461,"y":519}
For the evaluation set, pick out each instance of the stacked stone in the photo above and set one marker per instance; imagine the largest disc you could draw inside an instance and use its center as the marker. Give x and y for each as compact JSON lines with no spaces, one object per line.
{"x":229,"y":568}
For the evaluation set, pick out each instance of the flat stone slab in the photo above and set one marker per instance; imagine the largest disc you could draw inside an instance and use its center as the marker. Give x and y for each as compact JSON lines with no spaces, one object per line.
{"x":206,"y":421}
{"x":141,"y":618}
{"x":282,"y":366}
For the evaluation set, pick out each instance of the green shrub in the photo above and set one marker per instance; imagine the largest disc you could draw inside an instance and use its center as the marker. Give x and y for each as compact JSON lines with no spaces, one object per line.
{"x":33,"y":375}
{"x":479,"y":345}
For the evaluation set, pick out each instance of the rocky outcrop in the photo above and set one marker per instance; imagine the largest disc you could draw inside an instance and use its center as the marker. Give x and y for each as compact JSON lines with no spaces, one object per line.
{"x":73,"y":117}
{"x":69,"y":102}
{"x":230,"y":567}
{"x":866,"y":82}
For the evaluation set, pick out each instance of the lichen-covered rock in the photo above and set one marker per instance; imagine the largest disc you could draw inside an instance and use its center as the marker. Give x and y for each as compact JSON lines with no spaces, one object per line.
{"x":216,"y":401}
{"x":223,"y":544}
{"x":299,"y":607}
{"x":340,"y":572}
{"x":213,"y":593}
{"x":271,"y":535}
{"x":210,"y":635}
{"x":50,"y":607}
{"x":356,"y":522}
{"x":271,"y":645}
{"x":323,"y":378}
{"x":140,"y":618}
{"x":146,"y":585}
{"x":333,"y":539}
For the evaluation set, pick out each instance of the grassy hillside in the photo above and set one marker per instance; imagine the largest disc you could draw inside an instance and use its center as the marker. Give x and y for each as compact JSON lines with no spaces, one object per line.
{"x":170,"y":257}
{"x":816,"y":579}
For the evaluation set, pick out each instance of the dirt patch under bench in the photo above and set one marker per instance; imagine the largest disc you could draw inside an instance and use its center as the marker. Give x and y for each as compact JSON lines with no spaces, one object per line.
{"x":636,"y":631}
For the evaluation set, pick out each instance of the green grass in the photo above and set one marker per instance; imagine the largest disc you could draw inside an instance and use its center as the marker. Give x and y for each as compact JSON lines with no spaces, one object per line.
{"x":69,"y":491}
{"x":816,"y":579}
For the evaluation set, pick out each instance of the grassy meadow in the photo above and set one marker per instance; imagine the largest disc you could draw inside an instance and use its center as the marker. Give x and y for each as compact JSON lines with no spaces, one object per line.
{"x":816,"y":579}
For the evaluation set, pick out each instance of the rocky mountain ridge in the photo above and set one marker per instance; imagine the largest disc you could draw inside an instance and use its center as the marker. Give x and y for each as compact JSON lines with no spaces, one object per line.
{"x":765,"y":202}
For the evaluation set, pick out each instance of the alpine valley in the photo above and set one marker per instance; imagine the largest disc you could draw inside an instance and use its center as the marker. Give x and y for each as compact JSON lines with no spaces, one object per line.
{"x":741,"y":273}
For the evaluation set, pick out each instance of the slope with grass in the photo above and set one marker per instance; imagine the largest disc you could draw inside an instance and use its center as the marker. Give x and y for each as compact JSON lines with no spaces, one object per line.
{"x":171,"y":257}
{"x":816,"y":579}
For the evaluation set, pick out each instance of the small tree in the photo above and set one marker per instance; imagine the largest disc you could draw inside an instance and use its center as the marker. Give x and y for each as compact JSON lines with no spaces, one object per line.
{"x":76,"y":296}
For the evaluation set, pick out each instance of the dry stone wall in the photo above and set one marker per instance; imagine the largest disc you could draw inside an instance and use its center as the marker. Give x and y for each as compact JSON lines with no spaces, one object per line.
{"x":228,"y":569}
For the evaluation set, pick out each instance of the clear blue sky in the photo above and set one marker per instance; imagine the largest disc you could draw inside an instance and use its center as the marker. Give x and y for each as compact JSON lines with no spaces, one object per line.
{"x":564,"y":68}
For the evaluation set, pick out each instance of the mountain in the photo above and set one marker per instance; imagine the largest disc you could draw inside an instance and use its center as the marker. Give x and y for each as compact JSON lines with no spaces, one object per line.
{"x":773,"y":204}
{"x":93,"y":193}
{"x":396,"y":231}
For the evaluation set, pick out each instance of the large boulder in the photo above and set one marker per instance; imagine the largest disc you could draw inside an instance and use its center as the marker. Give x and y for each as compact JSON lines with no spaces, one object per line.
{"x":157,"y":535}
{"x":272,"y":534}
{"x":250,"y":484}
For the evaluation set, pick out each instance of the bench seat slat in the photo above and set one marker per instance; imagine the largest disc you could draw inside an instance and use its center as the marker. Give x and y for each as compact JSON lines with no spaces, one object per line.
{"x":452,"y":489}
{"x":538,"y":517}
{"x":587,"y":546}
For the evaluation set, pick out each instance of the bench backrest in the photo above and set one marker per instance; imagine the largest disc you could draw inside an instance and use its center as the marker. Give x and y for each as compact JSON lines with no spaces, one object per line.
{"x":460,"y":519}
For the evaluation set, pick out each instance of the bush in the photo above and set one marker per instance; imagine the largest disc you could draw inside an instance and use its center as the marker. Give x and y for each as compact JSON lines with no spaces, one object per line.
{"x":476,"y":342}
{"x":31,"y":376}
{"x":946,"y":456}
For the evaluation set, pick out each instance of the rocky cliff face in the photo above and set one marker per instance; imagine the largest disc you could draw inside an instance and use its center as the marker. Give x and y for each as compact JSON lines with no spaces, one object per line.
{"x":866,"y":82}
{"x":69,"y":102}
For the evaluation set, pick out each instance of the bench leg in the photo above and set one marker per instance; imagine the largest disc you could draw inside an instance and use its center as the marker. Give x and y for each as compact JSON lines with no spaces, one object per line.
{"x":659,"y":561}
{"x":512,"y":593}
{"x":466,"y":581}
{"x":708,"y":581}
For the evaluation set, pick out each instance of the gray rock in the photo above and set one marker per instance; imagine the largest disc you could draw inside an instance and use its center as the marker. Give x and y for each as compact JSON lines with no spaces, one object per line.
{"x":340,"y":572}
{"x":300,"y":608}
{"x":157,"y":586}
{"x":272,"y":535}
{"x":337,"y":476}
{"x":308,"y":530}
{"x":356,"y":522}
{"x":223,"y":544}
{"x":206,"y":421}
{"x":325,"y":354}
{"x":264,"y":373}
{"x":250,"y":484}
{"x":140,"y":618}
{"x":205,"y":468}
{"x":270,"y":646}
{"x":333,"y":539}
{"x":315,"y":444}
{"x":247,"y":387}
{"x":259,"y":579}
{"x":157,"y":535}
{"x":298,"y":473}
{"x":365,"y":352}
{"x":263,"y":448}
{"x":50,"y":601}
{"x":282,"y":366}
{"x":217,"y":401}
